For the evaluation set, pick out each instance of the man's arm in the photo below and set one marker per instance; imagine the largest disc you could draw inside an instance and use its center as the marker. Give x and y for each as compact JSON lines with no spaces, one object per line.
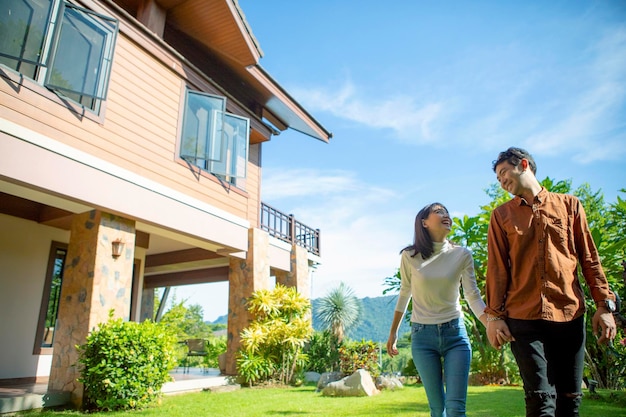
{"x":603,"y":322}
{"x":498,"y":270}
{"x":496,"y":283}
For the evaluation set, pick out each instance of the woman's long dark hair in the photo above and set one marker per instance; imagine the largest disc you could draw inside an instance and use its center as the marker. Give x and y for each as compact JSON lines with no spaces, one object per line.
{"x":422,"y":242}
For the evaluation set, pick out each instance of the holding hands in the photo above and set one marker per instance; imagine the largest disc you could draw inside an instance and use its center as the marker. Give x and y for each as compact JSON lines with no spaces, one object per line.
{"x":498,"y":332}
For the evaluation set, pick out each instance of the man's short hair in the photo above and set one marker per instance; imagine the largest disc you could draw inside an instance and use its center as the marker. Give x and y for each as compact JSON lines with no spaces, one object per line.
{"x":514,"y":156}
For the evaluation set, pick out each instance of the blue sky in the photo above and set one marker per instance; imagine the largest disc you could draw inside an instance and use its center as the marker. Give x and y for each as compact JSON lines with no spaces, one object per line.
{"x":421,"y":96}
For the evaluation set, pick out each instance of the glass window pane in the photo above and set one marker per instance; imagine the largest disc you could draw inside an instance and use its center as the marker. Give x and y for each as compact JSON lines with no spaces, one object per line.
{"x":202,"y":124}
{"x":239,"y":130}
{"x":52,"y":311}
{"x":23,"y":26}
{"x":82,"y":54}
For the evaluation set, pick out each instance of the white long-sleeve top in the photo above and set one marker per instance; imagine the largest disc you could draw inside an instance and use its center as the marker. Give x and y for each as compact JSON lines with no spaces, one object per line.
{"x":434,"y":284}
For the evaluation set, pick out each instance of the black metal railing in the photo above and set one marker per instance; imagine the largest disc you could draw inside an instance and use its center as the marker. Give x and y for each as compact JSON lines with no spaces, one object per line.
{"x":286,"y":228}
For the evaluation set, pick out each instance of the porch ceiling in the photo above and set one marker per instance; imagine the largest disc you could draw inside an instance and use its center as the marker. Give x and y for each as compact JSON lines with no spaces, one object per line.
{"x":168,"y":262}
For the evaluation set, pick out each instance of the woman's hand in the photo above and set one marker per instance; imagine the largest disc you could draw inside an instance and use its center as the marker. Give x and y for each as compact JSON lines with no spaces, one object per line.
{"x":392,"y":350}
{"x":498,"y":333}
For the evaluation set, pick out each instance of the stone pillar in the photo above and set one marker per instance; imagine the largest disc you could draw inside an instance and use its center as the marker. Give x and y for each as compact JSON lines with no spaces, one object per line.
{"x":93,"y":284}
{"x":299,"y":276}
{"x":245,"y":276}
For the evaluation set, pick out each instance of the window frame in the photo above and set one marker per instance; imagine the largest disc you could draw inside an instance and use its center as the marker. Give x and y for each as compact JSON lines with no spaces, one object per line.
{"x":90,"y":18}
{"x":220,"y":156}
{"x":44,"y":68}
{"x":39,"y":348}
{"x":212,"y":117}
{"x":232,"y":152}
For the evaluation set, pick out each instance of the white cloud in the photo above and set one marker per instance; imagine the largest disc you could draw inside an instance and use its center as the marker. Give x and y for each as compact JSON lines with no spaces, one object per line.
{"x":281,"y":183}
{"x":410,"y":118}
{"x":590,"y":122}
{"x":362,"y":230}
{"x":544,"y":101}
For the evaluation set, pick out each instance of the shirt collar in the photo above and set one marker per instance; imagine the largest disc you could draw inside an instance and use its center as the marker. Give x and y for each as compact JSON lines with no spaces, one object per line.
{"x":441,"y":246}
{"x":539,"y":198}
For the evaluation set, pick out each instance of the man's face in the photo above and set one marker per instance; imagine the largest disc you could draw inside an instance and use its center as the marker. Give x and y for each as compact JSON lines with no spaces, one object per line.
{"x":508,"y":176}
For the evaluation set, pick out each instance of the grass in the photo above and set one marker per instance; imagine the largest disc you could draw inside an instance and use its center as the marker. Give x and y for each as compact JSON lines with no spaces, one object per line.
{"x":483,"y":401}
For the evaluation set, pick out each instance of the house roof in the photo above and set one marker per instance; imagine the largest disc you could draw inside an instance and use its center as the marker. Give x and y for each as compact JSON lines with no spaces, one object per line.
{"x":221,"y":26}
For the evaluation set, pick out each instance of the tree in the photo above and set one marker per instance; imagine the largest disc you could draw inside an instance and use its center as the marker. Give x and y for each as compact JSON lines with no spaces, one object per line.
{"x":187,"y":322}
{"x":339,"y":310}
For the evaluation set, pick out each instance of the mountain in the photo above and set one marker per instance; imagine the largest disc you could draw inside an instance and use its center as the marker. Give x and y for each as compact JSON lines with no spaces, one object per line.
{"x":376,"y":317}
{"x":375,"y":320}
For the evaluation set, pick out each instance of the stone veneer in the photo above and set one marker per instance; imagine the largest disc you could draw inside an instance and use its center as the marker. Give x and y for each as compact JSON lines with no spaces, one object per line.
{"x":94,"y":283}
{"x":299,"y":276}
{"x":251,"y":274}
{"x":245,"y":276}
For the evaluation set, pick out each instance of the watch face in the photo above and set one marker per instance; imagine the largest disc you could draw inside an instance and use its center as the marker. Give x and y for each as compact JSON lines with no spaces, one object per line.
{"x":610,"y":304}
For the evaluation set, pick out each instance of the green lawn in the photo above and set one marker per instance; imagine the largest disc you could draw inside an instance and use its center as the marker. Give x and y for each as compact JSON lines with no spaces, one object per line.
{"x":486,"y":401}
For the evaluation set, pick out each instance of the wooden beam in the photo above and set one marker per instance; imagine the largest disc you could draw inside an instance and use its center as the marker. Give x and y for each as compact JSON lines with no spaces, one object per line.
{"x":180,"y":256}
{"x":197,"y":276}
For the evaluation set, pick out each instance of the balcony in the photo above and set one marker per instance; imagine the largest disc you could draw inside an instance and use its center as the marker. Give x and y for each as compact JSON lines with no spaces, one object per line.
{"x":286,"y":228}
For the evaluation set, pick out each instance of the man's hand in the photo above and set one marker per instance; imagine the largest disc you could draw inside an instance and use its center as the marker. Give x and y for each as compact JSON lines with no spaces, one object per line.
{"x":498,"y":333}
{"x":603,"y":324}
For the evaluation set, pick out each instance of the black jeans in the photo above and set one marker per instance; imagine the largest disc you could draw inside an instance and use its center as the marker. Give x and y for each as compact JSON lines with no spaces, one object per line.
{"x":550,"y":357}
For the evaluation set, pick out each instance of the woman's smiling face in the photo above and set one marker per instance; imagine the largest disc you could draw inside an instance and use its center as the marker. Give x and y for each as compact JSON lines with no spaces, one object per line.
{"x":438,"y":223}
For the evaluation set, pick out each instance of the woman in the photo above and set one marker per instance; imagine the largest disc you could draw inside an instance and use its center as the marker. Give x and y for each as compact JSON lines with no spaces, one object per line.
{"x":432,"y":270}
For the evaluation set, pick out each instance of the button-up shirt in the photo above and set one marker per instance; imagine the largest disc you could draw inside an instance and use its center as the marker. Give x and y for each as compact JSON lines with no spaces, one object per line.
{"x":533,"y":254}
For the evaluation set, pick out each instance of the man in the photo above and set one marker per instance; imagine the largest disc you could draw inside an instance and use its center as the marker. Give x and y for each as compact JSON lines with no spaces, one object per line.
{"x":536,"y":241}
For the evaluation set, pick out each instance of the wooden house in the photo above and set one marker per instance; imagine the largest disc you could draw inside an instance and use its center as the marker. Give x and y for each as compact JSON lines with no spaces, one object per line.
{"x":131,"y":135}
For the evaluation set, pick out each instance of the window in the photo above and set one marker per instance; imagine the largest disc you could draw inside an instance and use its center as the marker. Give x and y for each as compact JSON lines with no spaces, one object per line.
{"x":50,"y":300}
{"x":64,"y":47}
{"x":212,"y":139}
{"x":234,"y":157}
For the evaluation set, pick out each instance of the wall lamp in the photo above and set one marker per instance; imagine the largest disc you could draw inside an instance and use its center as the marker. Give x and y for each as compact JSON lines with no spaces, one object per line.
{"x":117,"y":247}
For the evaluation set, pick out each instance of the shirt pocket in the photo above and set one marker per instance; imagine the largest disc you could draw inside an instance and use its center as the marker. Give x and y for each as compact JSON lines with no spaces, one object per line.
{"x":557,"y":230}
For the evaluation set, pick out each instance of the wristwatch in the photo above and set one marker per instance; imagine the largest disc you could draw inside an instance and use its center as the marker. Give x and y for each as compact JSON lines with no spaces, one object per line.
{"x":608,"y":304}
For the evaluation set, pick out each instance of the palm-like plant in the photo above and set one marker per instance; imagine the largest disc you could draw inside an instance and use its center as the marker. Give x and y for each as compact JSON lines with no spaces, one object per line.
{"x":339,"y":310}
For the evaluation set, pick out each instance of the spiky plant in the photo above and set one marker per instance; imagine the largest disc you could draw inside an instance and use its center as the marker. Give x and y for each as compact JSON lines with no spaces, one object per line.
{"x":339,"y":310}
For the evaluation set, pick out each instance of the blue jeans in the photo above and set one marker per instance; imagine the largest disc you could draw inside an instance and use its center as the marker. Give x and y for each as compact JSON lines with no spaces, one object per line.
{"x":550,"y":357}
{"x":443,"y":352}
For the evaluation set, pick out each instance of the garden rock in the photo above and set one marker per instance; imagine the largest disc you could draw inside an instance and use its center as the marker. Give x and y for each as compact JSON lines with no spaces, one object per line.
{"x":328,"y":377}
{"x":359,"y":384}
{"x":312,"y":376}
{"x":389,"y":382}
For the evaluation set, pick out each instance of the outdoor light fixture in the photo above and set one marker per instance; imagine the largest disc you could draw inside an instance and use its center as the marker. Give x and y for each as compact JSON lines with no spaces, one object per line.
{"x":117,"y":246}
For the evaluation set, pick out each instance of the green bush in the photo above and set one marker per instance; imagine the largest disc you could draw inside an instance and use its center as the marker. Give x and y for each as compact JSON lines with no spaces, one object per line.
{"x":322,"y":351}
{"x":410,"y":369}
{"x":125,"y":364}
{"x":272,"y":344}
{"x":359,"y":355}
{"x":215,"y":347}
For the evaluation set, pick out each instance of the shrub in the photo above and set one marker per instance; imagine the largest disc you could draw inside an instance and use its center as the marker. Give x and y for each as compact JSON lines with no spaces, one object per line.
{"x":215,"y":347}
{"x":272,"y":343}
{"x":359,"y":355}
{"x":322,"y":351}
{"x":125,"y":364}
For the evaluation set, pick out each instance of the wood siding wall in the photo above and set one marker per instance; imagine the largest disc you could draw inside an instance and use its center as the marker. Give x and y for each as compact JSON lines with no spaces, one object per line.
{"x":138,"y":128}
